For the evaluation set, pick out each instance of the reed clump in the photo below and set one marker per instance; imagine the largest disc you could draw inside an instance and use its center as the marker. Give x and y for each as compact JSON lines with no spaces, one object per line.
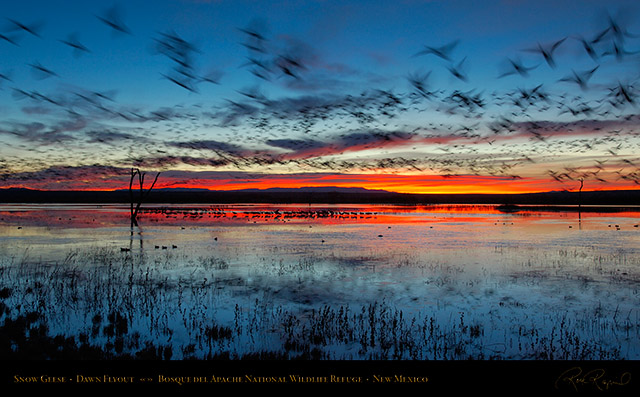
{"x":111,"y":305}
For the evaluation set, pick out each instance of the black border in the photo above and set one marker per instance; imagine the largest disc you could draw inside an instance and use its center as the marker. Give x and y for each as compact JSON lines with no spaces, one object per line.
{"x":493,"y":376}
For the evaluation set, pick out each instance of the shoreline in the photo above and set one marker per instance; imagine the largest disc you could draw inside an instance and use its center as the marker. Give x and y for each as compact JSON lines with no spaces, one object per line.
{"x":585,"y":199}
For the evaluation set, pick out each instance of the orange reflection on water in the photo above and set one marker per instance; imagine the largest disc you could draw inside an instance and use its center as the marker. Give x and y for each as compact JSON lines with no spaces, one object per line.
{"x":78,"y":216}
{"x":329,"y":214}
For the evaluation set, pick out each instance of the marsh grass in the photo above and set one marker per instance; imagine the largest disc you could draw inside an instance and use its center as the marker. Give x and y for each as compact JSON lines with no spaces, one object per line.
{"x":105,"y":304}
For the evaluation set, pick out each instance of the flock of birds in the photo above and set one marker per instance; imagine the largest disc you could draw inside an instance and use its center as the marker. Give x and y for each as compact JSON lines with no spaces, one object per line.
{"x":459,"y":131}
{"x":256,"y":215}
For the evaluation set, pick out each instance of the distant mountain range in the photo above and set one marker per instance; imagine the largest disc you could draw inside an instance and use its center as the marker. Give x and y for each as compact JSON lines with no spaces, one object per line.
{"x":316,"y":189}
{"x":319,"y":195}
{"x":308,"y":189}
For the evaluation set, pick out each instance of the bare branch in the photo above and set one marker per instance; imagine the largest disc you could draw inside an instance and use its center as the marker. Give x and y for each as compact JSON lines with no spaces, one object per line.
{"x":142,"y":195}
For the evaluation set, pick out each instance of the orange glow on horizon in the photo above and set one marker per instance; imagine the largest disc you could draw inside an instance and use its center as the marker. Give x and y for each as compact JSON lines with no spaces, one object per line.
{"x":398,"y":183}
{"x":408,"y":184}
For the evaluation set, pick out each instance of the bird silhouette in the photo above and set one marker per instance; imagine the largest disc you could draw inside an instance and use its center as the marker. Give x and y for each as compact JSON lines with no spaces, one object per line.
{"x":112,"y":17}
{"x":31,"y":29}
{"x":184,"y":83}
{"x":457,"y":71}
{"x":41,"y":71}
{"x":420,"y":84}
{"x":443,"y":52}
{"x":621,"y":94}
{"x":589,"y":45}
{"x":73,"y":42}
{"x":618,"y":51}
{"x":581,"y":78}
{"x":8,"y":39}
{"x":619,"y":32}
{"x":5,"y":76}
{"x":547,"y":51}
{"x":295,"y":117}
{"x":516,"y":66}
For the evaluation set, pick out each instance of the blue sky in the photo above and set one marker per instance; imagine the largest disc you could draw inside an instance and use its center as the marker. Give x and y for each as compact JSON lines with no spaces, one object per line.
{"x":196,"y":88}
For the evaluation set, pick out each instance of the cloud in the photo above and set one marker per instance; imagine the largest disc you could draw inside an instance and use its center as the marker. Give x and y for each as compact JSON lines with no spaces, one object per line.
{"x":162,"y":162}
{"x":40,"y":133}
{"x":212,"y":145}
{"x":68,"y":177}
{"x":112,"y":137}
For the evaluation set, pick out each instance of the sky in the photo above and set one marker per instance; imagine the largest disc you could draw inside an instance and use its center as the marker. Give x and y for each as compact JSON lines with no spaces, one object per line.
{"x":414,"y":96}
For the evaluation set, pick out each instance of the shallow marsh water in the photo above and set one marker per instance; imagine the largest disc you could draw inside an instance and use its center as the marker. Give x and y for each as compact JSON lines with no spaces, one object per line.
{"x":449,"y":282}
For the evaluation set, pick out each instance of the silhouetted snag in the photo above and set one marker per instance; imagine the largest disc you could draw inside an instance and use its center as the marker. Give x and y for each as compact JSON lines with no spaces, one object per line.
{"x":580,"y":202}
{"x":580,"y":193}
{"x":142,"y":195}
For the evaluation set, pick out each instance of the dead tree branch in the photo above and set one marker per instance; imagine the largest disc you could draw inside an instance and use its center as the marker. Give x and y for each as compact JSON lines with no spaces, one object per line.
{"x":142,"y":195}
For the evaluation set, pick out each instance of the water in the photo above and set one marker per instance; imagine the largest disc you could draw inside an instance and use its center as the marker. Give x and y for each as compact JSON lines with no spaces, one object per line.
{"x":500,"y":280}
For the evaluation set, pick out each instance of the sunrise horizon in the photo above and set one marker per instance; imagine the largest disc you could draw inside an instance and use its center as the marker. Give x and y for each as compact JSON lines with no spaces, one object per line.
{"x":468,"y":188}
{"x":271,"y":100}
{"x":248,"y":187}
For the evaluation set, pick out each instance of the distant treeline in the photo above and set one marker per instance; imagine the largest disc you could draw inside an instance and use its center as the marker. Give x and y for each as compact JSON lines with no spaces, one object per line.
{"x":614,"y":198}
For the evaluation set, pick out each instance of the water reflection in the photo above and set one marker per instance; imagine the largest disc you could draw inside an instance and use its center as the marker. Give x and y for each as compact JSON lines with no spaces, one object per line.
{"x":508,"y":274}
{"x":45,"y":227}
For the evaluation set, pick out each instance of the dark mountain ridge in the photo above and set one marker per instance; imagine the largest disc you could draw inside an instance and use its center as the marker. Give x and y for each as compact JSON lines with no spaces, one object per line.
{"x":323,"y":195}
